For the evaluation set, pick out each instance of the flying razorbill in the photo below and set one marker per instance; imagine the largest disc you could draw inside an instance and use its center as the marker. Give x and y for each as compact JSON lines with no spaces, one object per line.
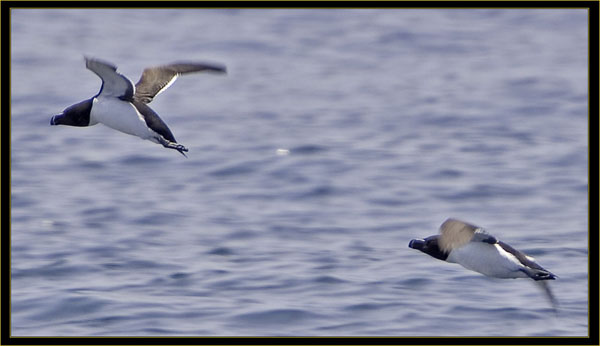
{"x":475,"y":249}
{"x":122,"y":106}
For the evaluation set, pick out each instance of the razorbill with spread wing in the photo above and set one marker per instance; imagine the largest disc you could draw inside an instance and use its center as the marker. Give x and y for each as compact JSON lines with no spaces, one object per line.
{"x":122,"y":106}
{"x":475,"y":249}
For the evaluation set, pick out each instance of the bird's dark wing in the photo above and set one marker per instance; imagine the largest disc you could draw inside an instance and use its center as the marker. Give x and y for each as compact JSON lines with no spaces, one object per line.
{"x":546,"y":287}
{"x":154,"y":80}
{"x":114,"y":84}
{"x":534,"y":270}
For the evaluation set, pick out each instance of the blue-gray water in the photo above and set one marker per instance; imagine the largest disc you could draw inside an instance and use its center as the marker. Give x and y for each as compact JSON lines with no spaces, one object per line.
{"x":394,"y":120}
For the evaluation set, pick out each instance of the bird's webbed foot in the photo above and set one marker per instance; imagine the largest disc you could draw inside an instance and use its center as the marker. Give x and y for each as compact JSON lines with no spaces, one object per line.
{"x":172,"y":145}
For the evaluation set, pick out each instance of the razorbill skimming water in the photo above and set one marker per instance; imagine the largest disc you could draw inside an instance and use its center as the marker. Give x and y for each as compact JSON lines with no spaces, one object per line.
{"x":122,"y":106}
{"x":475,"y":249}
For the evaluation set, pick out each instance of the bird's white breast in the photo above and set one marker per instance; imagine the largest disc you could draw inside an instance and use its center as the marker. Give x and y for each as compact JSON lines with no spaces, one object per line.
{"x":487,"y":259}
{"x":120,"y":115}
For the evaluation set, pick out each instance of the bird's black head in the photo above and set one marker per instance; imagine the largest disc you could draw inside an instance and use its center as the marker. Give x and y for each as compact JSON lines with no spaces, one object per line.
{"x":429,"y":246}
{"x":75,"y":115}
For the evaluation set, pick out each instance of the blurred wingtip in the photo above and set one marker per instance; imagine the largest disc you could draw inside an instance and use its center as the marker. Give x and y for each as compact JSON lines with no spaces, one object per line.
{"x":551,"y":298}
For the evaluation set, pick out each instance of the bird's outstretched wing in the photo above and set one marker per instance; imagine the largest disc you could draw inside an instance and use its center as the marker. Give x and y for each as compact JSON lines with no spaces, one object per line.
{"x":154,"y":80}
{"x":455,"y":233}
{"x":114,"y":84}
{"x":546,"y":287}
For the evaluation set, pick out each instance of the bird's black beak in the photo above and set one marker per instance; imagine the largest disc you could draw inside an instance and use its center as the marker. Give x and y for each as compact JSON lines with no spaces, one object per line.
{"x":55,"y":120}
{"x":416,"y":244}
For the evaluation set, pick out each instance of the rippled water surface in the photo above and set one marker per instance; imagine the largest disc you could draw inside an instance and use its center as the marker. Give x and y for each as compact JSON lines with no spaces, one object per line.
{"x":335,"y":138}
